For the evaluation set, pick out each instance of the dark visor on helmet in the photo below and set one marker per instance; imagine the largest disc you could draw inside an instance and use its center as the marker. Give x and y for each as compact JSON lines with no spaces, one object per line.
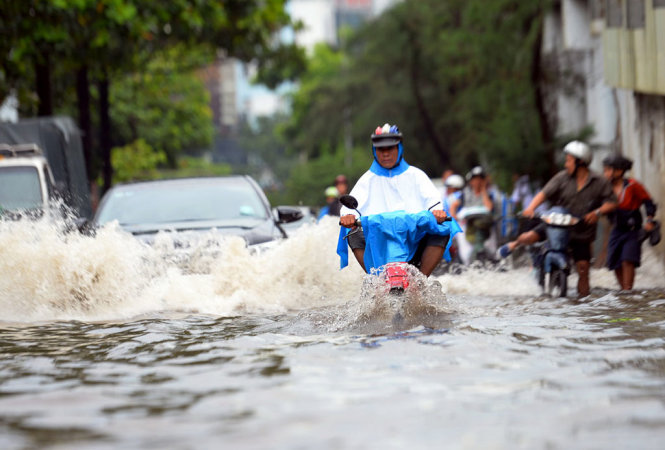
{"x":388,"y":141}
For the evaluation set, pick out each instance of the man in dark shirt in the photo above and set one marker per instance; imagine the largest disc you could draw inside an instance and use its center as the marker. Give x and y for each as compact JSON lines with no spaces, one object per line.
{"x":582,"y":192}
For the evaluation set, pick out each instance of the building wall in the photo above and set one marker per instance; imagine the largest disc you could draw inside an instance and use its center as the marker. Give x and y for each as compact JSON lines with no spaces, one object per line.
{"x":642,"y":139}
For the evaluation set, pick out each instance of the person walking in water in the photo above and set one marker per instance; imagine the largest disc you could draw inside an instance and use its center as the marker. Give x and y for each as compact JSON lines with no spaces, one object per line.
{"x":624,"y":246}
{"x":582,"y":192}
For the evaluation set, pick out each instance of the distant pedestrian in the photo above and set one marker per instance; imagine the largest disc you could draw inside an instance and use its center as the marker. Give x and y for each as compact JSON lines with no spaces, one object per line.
{"x":624,"y":246}
{"x":332,"y":206}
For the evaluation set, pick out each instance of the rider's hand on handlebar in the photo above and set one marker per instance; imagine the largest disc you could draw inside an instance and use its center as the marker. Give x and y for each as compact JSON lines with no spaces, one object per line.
{"x":591,"y":218}
{"x":528,"y":213}
{"x":348,"y":221}
{"x":440,"y":215}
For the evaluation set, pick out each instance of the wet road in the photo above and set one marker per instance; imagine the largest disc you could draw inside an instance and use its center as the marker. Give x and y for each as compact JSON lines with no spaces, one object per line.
{"x":112,"y":347}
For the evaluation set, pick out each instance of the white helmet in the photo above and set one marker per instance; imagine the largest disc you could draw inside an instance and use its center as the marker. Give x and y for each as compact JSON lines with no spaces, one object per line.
{"x":579,"y":150}
{"x":454,"y":181}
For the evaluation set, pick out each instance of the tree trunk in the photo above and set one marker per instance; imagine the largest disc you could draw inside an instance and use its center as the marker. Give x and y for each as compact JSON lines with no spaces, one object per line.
{"x":85,"y":122}
{"x":538,"y":83}
{"x":43,"y":86}
{"x":105,"y":132}
{"x":420,"y":101}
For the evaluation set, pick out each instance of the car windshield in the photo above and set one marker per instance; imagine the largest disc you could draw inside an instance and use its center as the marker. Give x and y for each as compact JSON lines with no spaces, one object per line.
{"x":20,"y":188}
{"x":230,"y":200}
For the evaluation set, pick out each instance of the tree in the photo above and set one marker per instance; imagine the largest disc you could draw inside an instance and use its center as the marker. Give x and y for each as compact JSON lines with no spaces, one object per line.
{"x":97,"y":40}
{"x":456,"y":76}
{"x":165,"y":104}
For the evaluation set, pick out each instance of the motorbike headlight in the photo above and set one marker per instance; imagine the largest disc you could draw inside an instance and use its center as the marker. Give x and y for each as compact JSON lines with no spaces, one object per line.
{"x":560,"y":219}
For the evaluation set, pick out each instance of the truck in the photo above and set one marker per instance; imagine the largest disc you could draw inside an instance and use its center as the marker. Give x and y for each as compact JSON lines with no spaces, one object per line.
{"x":42,"y":159}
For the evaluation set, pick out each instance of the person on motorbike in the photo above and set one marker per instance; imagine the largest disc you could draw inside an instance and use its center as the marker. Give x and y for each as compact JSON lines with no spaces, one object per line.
{"x":474,"y":206}
{"x":443,"y":190}
{"x":391,"y":184}
{"x":584,"y":194}
{"x":454,"y":184}
{"x":623,"y":248}
{"x":332,"y":206}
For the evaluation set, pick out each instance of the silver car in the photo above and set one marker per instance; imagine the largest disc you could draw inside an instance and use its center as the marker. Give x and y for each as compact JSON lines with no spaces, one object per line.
{"x":187,"y":207}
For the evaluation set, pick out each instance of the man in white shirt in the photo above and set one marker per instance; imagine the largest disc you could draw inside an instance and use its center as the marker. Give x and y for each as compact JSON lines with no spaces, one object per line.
{"x":391,"y":184}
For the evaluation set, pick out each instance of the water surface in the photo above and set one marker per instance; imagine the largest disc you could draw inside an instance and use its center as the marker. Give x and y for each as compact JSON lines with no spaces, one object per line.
{"x":106,"y":344}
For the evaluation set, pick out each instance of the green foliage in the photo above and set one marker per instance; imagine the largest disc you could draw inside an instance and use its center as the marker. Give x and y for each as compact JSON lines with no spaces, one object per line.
{"x":117,"y":40}
{"x":189,"y":166}
{"x":309,"y":179}
{"x":317,"y":105}
{"x":456,"y":76}
{"x":135,"y":161}
{"x":265,"y":147}
{"x":163,"y":105}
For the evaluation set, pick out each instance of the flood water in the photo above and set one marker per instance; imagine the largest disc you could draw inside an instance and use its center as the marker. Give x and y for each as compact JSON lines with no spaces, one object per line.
{"x":107,"y":344}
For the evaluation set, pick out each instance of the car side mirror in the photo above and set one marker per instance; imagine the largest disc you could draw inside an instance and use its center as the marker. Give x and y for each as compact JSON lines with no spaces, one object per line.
{"x":286,"y":214}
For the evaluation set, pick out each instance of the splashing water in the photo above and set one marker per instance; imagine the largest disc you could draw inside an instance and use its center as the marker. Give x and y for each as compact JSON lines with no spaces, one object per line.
{"x":51,"y":274}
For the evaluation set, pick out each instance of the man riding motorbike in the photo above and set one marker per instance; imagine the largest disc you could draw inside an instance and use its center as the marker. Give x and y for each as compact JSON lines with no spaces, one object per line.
{"x":584,"y":194}
{"x":391,"y":184}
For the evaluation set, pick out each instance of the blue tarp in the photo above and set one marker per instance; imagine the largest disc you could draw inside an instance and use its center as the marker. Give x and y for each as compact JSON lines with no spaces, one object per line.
{"x":394,"y":237}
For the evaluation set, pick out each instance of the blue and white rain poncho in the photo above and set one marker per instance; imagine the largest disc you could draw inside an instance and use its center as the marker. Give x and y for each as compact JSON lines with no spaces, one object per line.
{"x":403,"y":188}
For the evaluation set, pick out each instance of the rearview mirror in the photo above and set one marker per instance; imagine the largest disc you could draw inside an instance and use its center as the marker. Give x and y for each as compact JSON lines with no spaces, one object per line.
{"x":287,"y":214}
{"x":349,"y":201}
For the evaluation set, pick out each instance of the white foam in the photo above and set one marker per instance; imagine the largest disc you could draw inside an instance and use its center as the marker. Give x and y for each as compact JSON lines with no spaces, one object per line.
{"x":49,"y":274}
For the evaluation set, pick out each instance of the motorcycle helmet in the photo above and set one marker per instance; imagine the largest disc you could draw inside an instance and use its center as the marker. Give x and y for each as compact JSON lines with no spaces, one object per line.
{"x":454,"y":181}
{"x":579,"y":150}
{"x":386,"y":136}
{"x":477,"y":171}
{"x":331,"y":191}
{"x":618,"y":162}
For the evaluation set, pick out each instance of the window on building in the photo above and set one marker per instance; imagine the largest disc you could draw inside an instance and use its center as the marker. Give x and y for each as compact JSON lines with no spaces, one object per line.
{"x":614,"y":11}
{"x":635,"y":15}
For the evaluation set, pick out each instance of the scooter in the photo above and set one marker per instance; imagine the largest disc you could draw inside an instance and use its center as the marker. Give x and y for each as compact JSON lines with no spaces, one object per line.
{"x":550,"y":257}
{"x":392,"y":240}
{"x":479,"y":222}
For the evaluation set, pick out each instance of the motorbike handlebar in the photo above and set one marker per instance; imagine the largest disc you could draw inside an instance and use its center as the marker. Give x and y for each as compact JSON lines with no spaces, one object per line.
{"x":357,"y":222}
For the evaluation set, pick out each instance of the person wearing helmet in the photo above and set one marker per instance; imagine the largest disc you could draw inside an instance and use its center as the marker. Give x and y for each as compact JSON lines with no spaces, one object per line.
{"x":582,"y":192}
{"x":443,"y":190}
{"x":623,"y":248}
{"x":332,"y":205}
{"x":474,"y":206}
{"x":454,"y":184}
{"x":476,"y":193}
{"x":391,"y":184}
